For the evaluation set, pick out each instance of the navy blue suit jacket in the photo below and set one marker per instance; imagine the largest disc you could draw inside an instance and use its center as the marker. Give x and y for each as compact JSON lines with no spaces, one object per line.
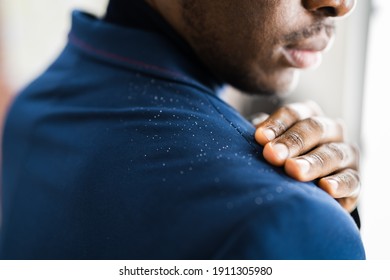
{"x":122,"y":149}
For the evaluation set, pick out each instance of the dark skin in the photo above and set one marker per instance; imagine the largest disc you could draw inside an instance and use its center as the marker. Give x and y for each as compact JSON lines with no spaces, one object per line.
{"x":260,"y":46}
{"x":311,"y":146}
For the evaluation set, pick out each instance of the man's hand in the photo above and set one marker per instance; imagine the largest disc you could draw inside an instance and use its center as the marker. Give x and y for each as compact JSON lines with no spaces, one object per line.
{"x":311,"y":146}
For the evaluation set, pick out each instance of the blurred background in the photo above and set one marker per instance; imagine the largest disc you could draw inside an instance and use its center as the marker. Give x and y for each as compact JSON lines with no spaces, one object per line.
{"x":351,"y":84}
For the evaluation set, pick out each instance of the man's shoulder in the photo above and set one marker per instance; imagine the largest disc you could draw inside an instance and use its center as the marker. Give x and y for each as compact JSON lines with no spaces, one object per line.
{"x":293,"y":221}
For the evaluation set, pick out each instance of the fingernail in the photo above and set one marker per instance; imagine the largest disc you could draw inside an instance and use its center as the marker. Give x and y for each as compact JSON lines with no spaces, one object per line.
{"x":281,"y":151}
{"x":269,"y":134}
{"x":333,"y":184}
{"x":303,"y":165}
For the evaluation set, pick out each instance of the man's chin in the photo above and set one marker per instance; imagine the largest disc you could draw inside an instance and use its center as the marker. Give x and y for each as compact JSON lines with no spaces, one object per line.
{"x":281,"y":87}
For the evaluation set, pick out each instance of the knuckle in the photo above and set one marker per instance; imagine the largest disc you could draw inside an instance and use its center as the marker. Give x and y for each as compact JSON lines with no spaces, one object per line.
{"x":336,"y":151}
{"x":345,"y":179}
{"x":344,"y":154}
{"x":319,"y":159}
{"x":282,"y":119}
{"x":353,"y":175}
{"x":350,"y":181}
{"x":355,"y":150}
{"x":289,"y":112}
{"x":355,"y":154}
{"x":314,"y":125}
{"x":294,"y":140}
{"x":305,"y":135}
{"x":332,"y":157}
{"x":277,"y":126}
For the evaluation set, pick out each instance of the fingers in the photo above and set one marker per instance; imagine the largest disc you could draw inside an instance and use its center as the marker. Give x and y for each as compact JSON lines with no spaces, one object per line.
{"x":302,"y":137}
{"x":341,"y":160}
{"x":322,"y":161}
{"x":284,"y":118}
{"x":310,"y":147}
{"x":345,"y":186}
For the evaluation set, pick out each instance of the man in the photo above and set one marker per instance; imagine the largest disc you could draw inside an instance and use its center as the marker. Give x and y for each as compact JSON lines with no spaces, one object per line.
{"x":122,"y":149}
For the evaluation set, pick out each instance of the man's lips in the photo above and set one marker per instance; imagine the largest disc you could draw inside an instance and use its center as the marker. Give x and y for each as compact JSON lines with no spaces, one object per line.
{"x":303,"y":59}
{"x":306,"y":54}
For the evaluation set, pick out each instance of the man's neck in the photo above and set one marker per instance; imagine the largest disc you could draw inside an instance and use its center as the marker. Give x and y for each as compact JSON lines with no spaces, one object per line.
{"x":139,"y":14}
{"x":134,"y":14}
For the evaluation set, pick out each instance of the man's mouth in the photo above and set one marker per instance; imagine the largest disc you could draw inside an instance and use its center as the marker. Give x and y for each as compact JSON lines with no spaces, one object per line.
{"x":306,"y":54}
{"x":302,"y":59}
{"x":304,"y":48}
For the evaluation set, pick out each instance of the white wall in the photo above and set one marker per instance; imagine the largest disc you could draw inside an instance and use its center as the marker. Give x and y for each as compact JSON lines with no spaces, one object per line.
{"x":376,"y":135}
{"x":33,"y":33}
